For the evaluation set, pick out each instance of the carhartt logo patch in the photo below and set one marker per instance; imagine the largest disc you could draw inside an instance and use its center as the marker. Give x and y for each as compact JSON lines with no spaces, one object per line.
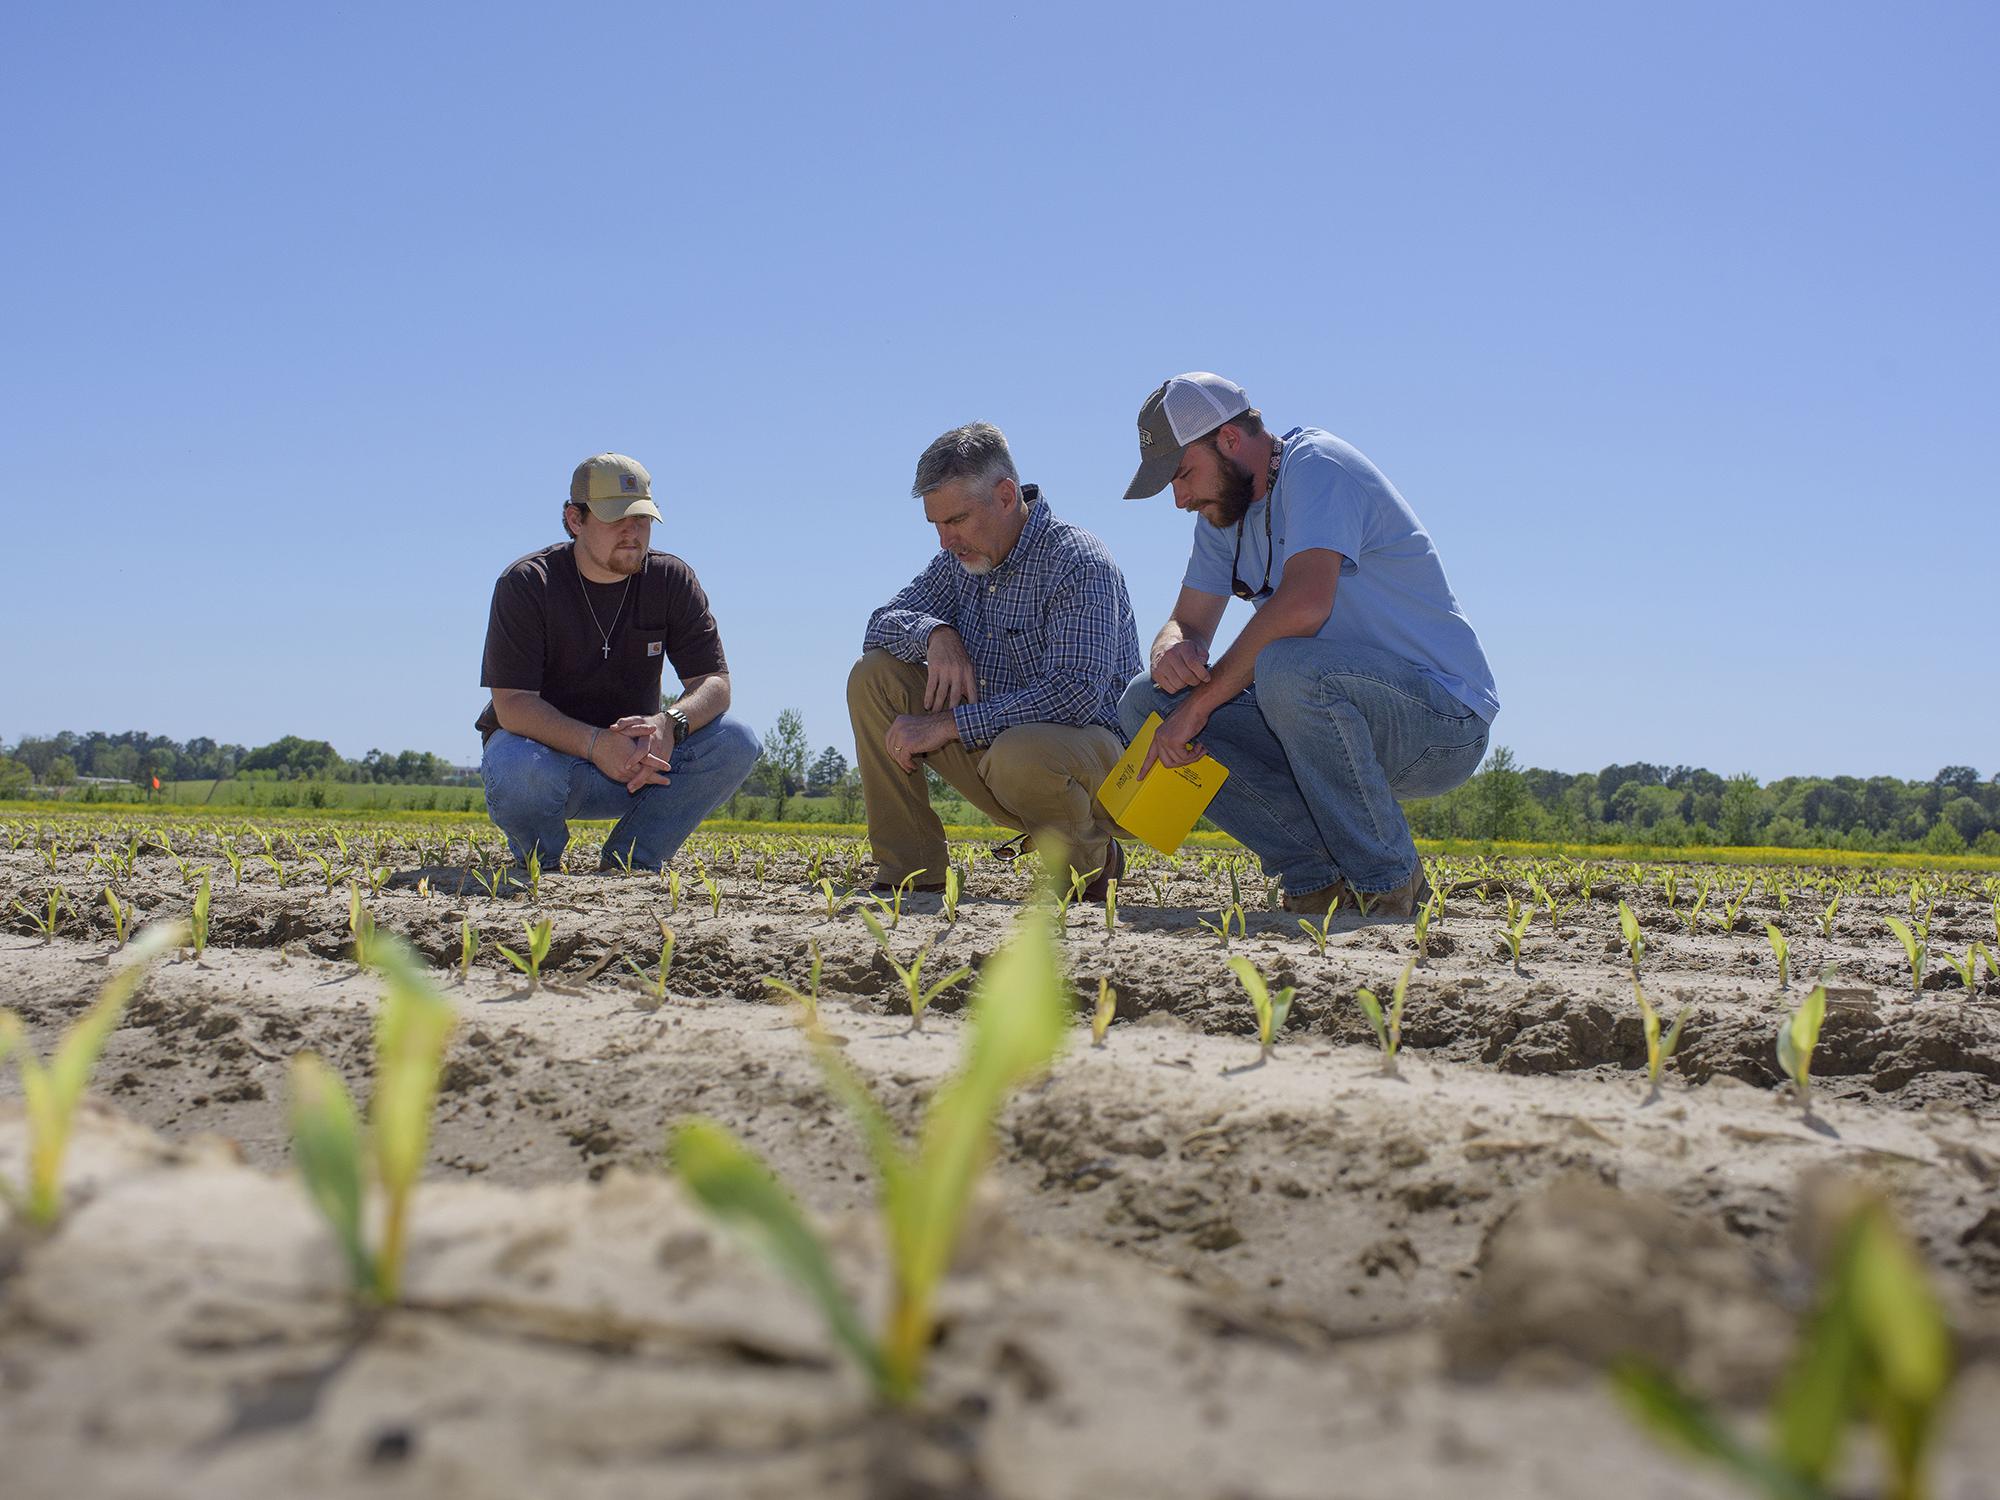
{"x":653,"y":648}
{"x":628,"y":483}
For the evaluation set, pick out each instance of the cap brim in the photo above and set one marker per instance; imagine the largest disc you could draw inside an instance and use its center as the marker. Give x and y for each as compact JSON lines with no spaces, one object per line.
{"x":618,"y":510}
{"x":1155,"y":473}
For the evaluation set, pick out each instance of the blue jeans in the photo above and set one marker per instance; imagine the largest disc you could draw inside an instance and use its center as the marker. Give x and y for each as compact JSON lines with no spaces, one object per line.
{"x":532,"y":791}
{"x":1319,"y":748}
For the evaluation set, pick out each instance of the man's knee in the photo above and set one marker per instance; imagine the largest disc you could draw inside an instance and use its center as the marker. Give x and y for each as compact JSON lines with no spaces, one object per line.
{"x":876,"y":677}
{"x":1141,"y":698}
{"x":523,"y":778}
{"x":1035,"y":767}
{"x":736,"y":746}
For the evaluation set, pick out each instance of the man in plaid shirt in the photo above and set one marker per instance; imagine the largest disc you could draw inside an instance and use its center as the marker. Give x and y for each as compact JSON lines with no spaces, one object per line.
{"x":1000,"y":666}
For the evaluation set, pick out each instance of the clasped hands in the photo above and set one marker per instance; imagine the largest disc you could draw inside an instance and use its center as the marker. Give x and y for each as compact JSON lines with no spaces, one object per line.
{"x":637,"y":750}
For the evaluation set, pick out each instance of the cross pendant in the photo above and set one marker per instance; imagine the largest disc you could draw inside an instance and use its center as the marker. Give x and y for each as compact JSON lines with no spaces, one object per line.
{"x":607,"y":651}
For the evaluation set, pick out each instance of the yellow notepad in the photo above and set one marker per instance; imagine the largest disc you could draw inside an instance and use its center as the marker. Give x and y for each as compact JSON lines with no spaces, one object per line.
{"x":1163,"y":808}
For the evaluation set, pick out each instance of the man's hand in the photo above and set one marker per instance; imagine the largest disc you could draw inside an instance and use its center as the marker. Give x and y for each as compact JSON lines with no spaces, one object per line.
{"x":912,"y":735}
{"x":953,"y":679}
{"x":641,"y":746}
{"x":1176,"y":742}
{"x":1182,"y":665}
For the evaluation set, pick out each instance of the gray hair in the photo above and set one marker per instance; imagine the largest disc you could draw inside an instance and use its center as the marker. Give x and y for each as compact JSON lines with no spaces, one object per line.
{"x":974,"y":455}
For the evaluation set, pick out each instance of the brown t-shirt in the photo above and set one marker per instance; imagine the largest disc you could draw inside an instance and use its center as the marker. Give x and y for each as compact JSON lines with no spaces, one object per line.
{"x":541,"y":636}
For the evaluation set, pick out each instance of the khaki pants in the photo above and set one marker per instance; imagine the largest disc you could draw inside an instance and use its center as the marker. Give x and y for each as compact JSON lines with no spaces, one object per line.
{"x":1039,"y":778}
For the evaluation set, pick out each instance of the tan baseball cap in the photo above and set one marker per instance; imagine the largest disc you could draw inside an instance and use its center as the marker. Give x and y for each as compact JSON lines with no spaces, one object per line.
{"x":614,"y":487}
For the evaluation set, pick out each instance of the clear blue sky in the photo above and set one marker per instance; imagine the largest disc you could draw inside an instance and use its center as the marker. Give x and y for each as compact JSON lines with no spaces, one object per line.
{"x":1677,"y":326}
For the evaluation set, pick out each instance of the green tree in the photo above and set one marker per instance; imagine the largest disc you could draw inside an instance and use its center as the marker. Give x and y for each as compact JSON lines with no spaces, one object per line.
{"x":61,"y":772}
{"x":785,"y":751}
{"x":14,"y":777}
{"x":1502,"y":791}
{"x":1739,"y":809}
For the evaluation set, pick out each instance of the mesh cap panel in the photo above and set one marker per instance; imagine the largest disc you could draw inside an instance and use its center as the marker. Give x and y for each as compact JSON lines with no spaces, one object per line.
{"x":1197,"y":404}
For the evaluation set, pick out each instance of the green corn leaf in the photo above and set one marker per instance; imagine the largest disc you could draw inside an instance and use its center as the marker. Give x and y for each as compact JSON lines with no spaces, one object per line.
{"x":326,"y":1139}
{"x":738,"y":1189}
{"x":411,"y":1031}
{"x":1372,"y":1008}
{"x":1260,"y":995}
{"x":1658,"y":1402}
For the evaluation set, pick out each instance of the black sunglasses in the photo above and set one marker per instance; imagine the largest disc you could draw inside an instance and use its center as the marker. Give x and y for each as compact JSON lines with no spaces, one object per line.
{"x":1237,"y":586}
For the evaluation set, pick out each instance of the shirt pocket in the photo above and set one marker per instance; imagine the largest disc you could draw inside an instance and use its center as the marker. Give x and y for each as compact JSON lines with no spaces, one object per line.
{"x":1028,"y":653}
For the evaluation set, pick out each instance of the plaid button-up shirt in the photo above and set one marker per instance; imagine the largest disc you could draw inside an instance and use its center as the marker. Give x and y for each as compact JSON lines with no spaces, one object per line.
{"x":1049,"y":631}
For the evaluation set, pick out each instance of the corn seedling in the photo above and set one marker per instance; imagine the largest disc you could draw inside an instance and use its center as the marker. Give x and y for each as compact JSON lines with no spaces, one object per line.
{"x":235,"y":862}
{"x":1876,"y":1347}
{"x":51,"y":1091}
{"x":198,"y":921}
{"x":1659,"y":1050}
{"x":1106,"y":1008}
{"x":1635,"y":940}
{"x":1110,"y":910}
{"x":468,"y":948}
{"x":1272,"y":1010}
{"x":1916,"y":948}
{"x":1693,"y":917}
{"x":1826,"y":918}
{"x":1388,"y":1025}
{"x":657,"y":983}
{"x":1316,"y":932}
{"x":1798,"y":1035}
{"x":1518,"y":918}
{"x":714,"y":890}
{"x":808,"y":1000}
{"x":954,"y":887}
{"x":47,"y":920}
{"x":894,"y":905}
{"x":923,"y":1193}
{"x":534,"y":872}
{"x":1426,"y":915}
{"x":337,"y":1159}
{"x":538,"y":949}
{"x":121,"y":915}
{"x":912,"y":976}
{"x":1782,"y":951}
{"x":1230,"y":916}
{"x":673,"y":891}
{"x":830,"y":894}
{"x":360,"y":925}
{"x":1732,"y":910}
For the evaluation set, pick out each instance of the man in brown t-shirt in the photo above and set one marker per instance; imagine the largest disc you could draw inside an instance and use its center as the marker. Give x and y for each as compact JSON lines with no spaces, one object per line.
{"x":574,"y":648}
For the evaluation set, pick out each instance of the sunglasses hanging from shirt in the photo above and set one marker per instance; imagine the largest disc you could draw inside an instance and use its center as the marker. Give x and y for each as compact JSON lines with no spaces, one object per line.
{"x":1237,"y":586}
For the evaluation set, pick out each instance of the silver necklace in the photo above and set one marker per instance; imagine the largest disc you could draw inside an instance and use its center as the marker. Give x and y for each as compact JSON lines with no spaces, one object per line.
{"x":604,"y":634}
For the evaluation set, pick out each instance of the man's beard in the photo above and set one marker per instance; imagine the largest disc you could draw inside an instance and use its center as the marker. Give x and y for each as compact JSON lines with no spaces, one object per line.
{"x":1238,"y":483}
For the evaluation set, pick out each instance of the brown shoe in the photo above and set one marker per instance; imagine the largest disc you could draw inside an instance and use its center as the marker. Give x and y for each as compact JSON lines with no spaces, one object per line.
{"x":1402,"y":903}
{"x":1113,"y":869}
{"x":1325,"y":899}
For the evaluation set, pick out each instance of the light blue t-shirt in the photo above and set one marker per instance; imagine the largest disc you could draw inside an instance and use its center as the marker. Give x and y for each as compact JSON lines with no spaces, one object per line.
{"x":1392,"y":593}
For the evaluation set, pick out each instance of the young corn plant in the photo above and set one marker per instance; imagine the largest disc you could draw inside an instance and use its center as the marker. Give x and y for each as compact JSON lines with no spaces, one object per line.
{"x":1228,"y":917}
{"x":1798,"y":1035}
{"x":468,"y":948}
{"x":1272,"y":1010}
{"x":1781,"y":950}
{"x":893,"y":907}
{"x":121,"y":916}
{"x":534,"y":872}
{"x":51,"y":1091}
{"x":1635,"y":940}
{"x":1659,"y":1050}
{"x":1426,"y":916}
{"x":808,"y":999}
{"x":1316,"y":932}
{"x":198,"y":919}
{"x":1916,"y":948}
{"x":1078,"y":879}
{"x":1388,"y":1024}
{"x":1826,"y":917}
{"x":1110,"y":910}
{"x":912,"y":974}
{"x":45,"y":921}
{"x":831,"y":895}
{"x":539,"y":937}
{"x":1732,"y":910}
{"x":1518,"y":918}
{"x":360,"y":925}
{"x":338,"y":1160}
{"x":1019,"y":1016}
{"x":954,"y":887}
{"x":656,"y":983}
{"x":1875,"y":1348}
{"x":1967,"y":968}
{"x":1106,"y":1008}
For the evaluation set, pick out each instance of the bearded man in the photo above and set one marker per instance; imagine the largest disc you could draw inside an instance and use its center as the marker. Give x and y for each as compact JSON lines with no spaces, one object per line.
{"x":999,"y":666}
{"x":575,"y":644}
{"x":1357,"y":680}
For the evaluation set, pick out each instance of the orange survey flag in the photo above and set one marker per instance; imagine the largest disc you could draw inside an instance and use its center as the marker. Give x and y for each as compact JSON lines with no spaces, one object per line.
{"x":156,"y":783}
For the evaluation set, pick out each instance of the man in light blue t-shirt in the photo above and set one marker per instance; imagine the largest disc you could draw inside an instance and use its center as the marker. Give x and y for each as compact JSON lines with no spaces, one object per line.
{"x":1358,"y":680}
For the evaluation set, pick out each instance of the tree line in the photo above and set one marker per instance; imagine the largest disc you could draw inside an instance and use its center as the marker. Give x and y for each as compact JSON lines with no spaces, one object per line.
{"x":59,"y":761}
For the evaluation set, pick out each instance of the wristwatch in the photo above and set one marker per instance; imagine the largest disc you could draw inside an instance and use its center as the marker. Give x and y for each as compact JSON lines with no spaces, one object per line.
{"x":682,"y":729}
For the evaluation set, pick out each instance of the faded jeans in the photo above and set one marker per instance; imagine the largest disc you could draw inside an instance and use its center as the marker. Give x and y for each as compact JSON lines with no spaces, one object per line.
{"x":532,"y":791}
{"x":1319,"y":748}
